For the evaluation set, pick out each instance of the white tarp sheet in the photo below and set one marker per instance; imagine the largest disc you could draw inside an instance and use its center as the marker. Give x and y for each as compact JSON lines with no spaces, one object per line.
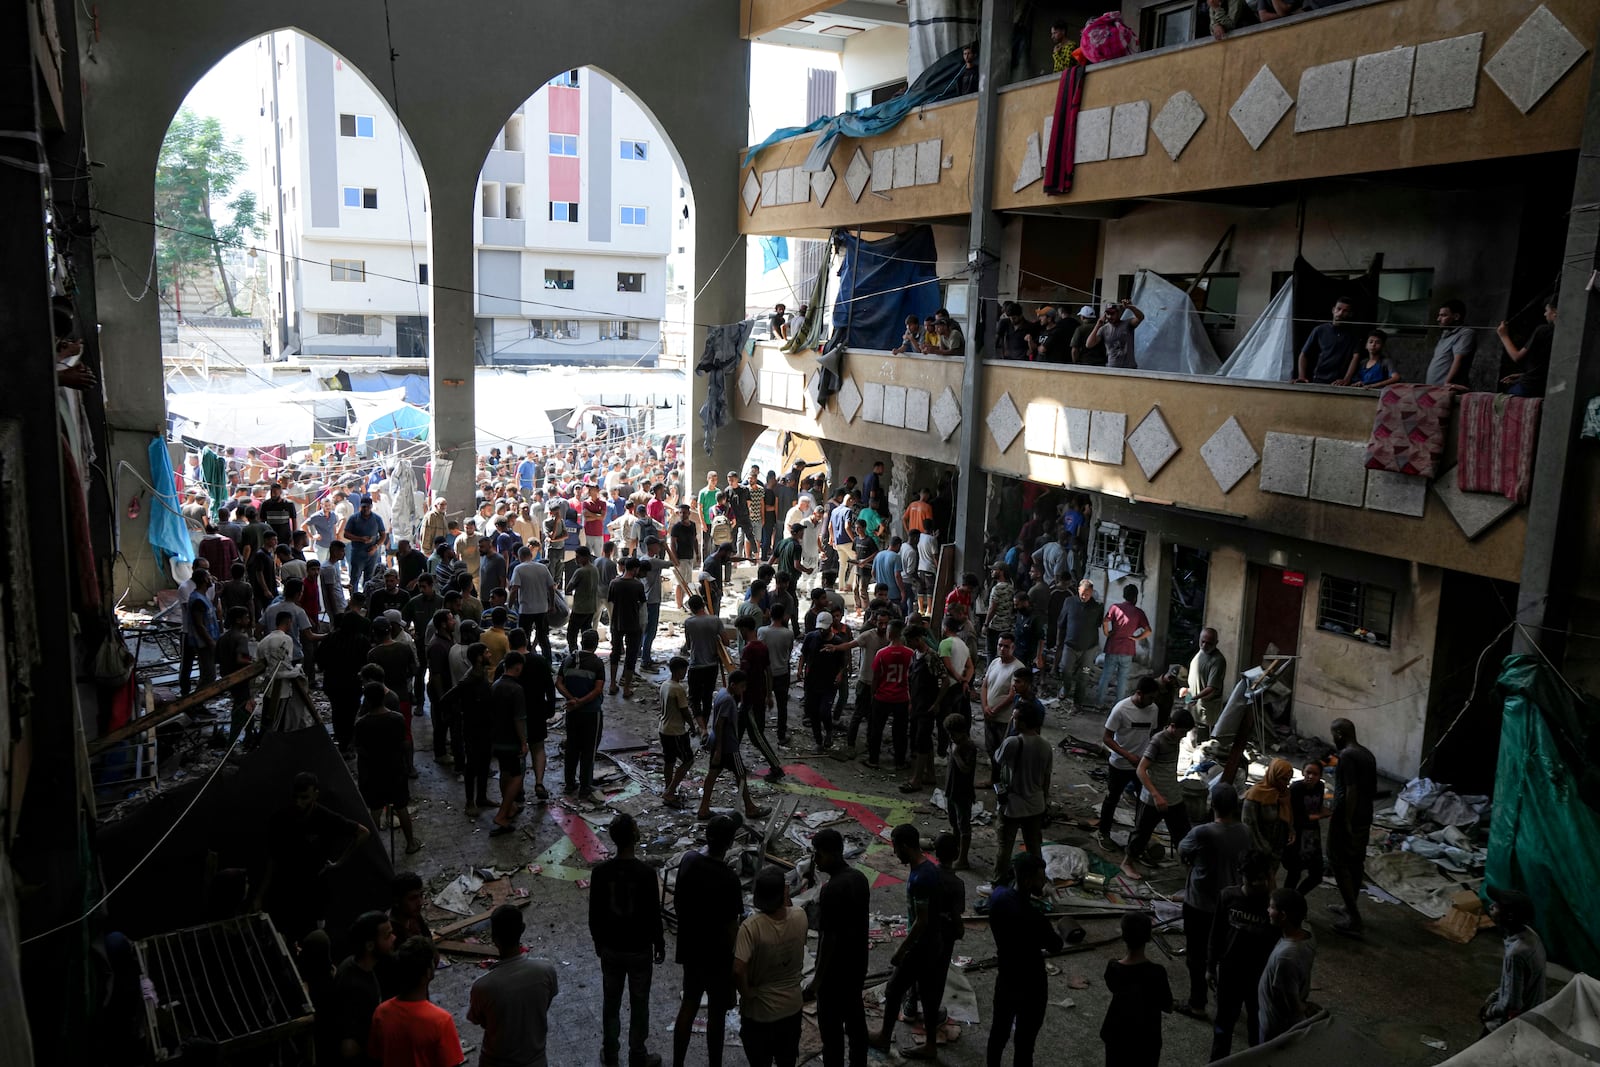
{"x":1564,"y":1031}
{"x":248,"y":419}
{"x":1266,"y":351}
{"x":1171,"y":339}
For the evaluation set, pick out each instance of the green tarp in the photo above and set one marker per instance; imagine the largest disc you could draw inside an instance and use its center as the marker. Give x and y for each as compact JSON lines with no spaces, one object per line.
{"x":1545,"y":835}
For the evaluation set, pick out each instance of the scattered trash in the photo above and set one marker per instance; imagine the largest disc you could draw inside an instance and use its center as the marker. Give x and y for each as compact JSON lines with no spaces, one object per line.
{"x":583,"y":883}
{"x":818,"y":819}
{"x":535,"y":868}
{"x":1425,"y":799}
{"x":1065,"y":863}
{"x":1435,"y":1043}
{"x":1065,"y":1002}
{"x":1077,"y":981}
{"x":457,"y":896}
{"x":519,"y":892}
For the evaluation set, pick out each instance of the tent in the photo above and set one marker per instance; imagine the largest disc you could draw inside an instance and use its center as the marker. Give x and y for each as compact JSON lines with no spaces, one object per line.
{"x":1266,"y":351}
{"x":269,"y":417}
{"x":1171,"y":339}
{"x":1563,"y":1030}
{"x":881,"y":283}
{"x":1323,"y":1038}
{"x":1544,"y":838}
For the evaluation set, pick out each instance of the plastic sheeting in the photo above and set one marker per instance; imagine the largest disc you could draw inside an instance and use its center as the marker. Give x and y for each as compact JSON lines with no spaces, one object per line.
{"x":1544,"y":838}
{"x":1266,"y":351}
{"x":1171,"y":339}
{"x":1563,"y":1030}
{"x":935,"y":83}
{"x":168,"y":533}
{"x":881,"y":283}
{"x":937,"y":28}
{"x":1322,"y":1038}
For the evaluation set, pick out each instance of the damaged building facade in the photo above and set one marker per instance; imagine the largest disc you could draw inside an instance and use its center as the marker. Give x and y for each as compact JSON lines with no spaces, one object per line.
{"x":1411,"y":152}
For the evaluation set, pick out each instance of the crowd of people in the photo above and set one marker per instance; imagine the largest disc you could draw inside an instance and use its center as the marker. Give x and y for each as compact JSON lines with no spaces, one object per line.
{"x":496,"y":638}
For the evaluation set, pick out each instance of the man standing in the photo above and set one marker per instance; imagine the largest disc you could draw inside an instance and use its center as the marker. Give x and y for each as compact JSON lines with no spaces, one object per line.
{"x":891,"y":697}
{"x":1127,"y":732}
{"x":493,"y":570}
{"x":996,"y":697}
{"x":1354,"y":788}
{"x":1331,"y":351}
{"x":1522,"y":967}
{"x":1020,"y":989}
{"x":625,"y":924}
{"x":1159,"y":795}
{"x":581,"y":680}
{"x":626,"y":595}
{"x":842,"y":907}
{"x":1078,"y":632}
{"x":1453,"y":351}
{"x":683,"y":546}
{"x":1208,"y":675}
{"x":707,"y":501}
{"x":1285,"y":985}
{"x":722,"y":739}
{"x":366,"y":534}
{"x":356,"y":993}
{"x":435,"y":525}
{"x":531,"y":589}
{"x":508,"y":713}
{"x":919,"y":959}
{"x":583,"y":587}
{"x":1023,"y":761}
{"x":768,"y":958}
{"x":408,"y":1030}
{"x":512,"y":1002}
{"x":651,"y":567}
{"x":1125,"y":624}
{"x":280,"y":514}
{"x":593,"y":510}
{"x":383,"y":762}
{"x":1212,"y":851}
{"x":200,"y":633}
{"x":709,"y":903}
{"x":1113,"y":331}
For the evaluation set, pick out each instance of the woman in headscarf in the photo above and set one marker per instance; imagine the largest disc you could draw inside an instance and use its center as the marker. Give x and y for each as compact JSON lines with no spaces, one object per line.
{"x":1267,"y":813}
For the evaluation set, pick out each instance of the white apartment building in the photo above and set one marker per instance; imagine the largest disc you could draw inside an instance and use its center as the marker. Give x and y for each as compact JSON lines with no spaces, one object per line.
{"x":574,"y":220}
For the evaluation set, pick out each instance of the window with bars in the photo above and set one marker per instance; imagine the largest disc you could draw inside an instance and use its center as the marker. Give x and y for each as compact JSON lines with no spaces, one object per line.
{"x":620,"y":330}
{"x":1355,"y":609}
{"x":554,"y":329}
{"x":1118,"y":548}
{"x":350,"y":325}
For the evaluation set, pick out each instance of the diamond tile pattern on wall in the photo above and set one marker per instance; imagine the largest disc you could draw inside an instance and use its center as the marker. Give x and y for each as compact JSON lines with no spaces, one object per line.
{"x":947,"y":413}
{"x":1178,"y":120}
{"x":1402,"y":494}
{"x":1445,"y":77}
{"x":751,"y":193}
{"x":1130,"y":126}
{"x":1473,"y":512}
{"x":1260,"y":107}
{"x":1534,"y":59}
{"x":872,"y":402}
{"x":747,"y":380}
{"x":857,"y":174}
{"x":1152,"y":443}
{"x":1339,"y":472}
{"x":1039,"y":431}
{"x":849,"y":399}
{"x":822,"y":184}
{"x":917,"y":404}
{"x":883,"y":170}
{"x":1286,"y":464}
{"x":1228,"y":454}
{"x":1094,"y":135}
{"x":1032,"y":167}
{"x":1324,"y":100}
{"x":1072,"y":433}
{"x":1004,"y":421}
{"x":1106,"y":429}
{"x":1381,"y":88}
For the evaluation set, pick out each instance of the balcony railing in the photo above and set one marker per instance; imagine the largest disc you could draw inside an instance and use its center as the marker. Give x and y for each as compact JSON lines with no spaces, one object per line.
{"x":1289,"y":457}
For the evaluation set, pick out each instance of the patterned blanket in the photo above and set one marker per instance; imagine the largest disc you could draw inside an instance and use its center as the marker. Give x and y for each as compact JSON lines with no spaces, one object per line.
{"x":1408,"y":431}
{"x":1496,"y":443}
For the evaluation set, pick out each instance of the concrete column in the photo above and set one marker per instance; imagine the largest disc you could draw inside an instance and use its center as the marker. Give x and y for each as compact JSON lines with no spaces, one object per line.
{"x":452,"y":363}
{"x":1556,"y":517}
{"x":719,"y":298}
{"x":983,"y":260}
{"x":902,"y":488}
{"x":1227,"y":584}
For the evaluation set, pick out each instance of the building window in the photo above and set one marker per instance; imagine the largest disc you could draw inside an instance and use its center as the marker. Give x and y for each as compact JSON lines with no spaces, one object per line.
{"x":630,"y":283}
{"x":493,"y":207}
{"x":1405,"y":296}
{"x":553,"y":329}
{"x":422,"y":274}
{"x":563,"y":211}
{"x":513,"y":134}
{"x":347,"y":270}
{"x":635,"y":150}
{"x":1355,"y":609}
{"x":635,"y":216}
{"x":558,"y":279}
{"x":356,"y":196}
{"x":1118,"y":548}
{"x":411,"y":336}
{"x":513,"y":201}
{"x":1216,"y":299}
{"x":356,"y":126}
{"x":621,"y":330}
{"x":876,"y":95}
{"x":568,"y":80}
{"x":563,"y":144}
{"x":350,"y":325}
{"x":1170,"y":24}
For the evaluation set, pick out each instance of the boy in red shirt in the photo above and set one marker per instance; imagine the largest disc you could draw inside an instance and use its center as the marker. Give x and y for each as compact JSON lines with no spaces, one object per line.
{"x":408,"y":1030}
{"x":891,"y":696}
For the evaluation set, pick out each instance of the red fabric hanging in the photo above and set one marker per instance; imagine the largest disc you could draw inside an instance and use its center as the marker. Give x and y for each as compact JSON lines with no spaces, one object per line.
{"x":1064,"y":132}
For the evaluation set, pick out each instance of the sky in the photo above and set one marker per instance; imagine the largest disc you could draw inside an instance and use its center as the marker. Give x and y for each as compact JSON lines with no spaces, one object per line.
{"x":228,"y":93}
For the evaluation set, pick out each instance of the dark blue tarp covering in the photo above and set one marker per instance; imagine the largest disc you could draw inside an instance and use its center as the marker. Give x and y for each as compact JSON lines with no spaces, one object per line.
{"x":372,"y":381}
{"x":936,"y":83}
{"x":881,"y":283}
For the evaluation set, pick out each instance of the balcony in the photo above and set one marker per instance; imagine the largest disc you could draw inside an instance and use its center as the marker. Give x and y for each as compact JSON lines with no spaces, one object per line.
{"x":1086,"y":428}
{"x":889,"y":403}
{"x":921,"y":169}
{"x":1375,"y":86}
{"x":505,"y":233}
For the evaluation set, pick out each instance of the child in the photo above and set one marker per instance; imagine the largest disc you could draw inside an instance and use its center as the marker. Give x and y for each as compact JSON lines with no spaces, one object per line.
{"x":675,"y":729}
{"x":1302,"y":861}
{"x":959,"y":774}
{"x":1285,"y":984}
{"x":911,"y":341}
{"x":1376,"y":372}
{"x":1139,"y":995}
{"x":930,"y":336}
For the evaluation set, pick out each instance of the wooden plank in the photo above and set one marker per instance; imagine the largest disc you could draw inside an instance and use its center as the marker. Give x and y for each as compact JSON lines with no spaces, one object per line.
{"x":473,"y":920}
{"x":166,"y":712}
{"x":464,"y":949}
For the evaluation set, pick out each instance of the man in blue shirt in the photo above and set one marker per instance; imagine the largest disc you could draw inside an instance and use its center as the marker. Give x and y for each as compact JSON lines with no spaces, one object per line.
{"x":722,"y":741}
{"x":919,"y":960}
{"x":1331,"y":351}
{"x":527,"y":475}
{"x":366,"y":535}
{"x":888,"y":569}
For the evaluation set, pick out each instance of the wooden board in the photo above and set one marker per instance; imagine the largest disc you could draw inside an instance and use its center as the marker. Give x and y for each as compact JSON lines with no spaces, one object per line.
{"x":170,"y":711}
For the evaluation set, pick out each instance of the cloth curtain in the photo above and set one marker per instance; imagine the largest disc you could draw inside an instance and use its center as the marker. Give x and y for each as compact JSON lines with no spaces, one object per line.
{"x":881,"y":283}
{"x":717,"y":360}
{"x":168,"y":533}
{"x":214,"y":472}
{"x":1058,"y":160}
{"x":1495,"y":444}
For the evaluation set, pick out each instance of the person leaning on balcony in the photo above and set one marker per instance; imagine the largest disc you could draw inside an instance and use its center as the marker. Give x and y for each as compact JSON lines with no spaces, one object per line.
{"x":1453,"y":351}
{"x":1082,"y":328}
{"x":1375,"y":372}
{"x":951,"y":340}
{"x":1331,"y":352}
{"x":1014,"y":336}
{"x":1533,"y":359}
{"x":1230,"y":15}
{"x":1055,"y":334}
{"x":911,"y":340}
{"x":967,"y":80}
{"x":1113,"y":331}
{"x":1061,"y":46}
{"x":1267,"y":10}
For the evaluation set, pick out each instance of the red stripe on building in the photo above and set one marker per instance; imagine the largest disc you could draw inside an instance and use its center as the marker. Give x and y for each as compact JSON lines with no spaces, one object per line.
{"x":564,"y":179}
{"x":563,"y":109}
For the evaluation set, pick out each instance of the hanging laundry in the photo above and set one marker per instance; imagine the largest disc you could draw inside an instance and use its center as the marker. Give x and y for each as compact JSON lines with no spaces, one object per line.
{"x":1495,"y":444}
{"x":1408,"y":432}
{"x":717,"y":360}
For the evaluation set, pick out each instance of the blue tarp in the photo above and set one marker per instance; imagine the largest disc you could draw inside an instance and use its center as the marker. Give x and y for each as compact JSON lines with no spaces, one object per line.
{"x":168,"y":533}
{"x":936,"y":83}
{"x":774,"y":250}
{"x":881,"y":283}
{"x":408,"y":422}
{"x":368,"y":381}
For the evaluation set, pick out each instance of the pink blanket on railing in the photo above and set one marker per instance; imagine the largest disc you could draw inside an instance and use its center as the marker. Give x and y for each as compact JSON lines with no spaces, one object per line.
{"x":1408,"y":431}
{"x":1496,"y":444}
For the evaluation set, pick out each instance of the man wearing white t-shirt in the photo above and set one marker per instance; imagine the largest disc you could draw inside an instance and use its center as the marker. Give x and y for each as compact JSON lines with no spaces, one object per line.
{"x":1127,"y":731}
{"x":997,"y":696}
